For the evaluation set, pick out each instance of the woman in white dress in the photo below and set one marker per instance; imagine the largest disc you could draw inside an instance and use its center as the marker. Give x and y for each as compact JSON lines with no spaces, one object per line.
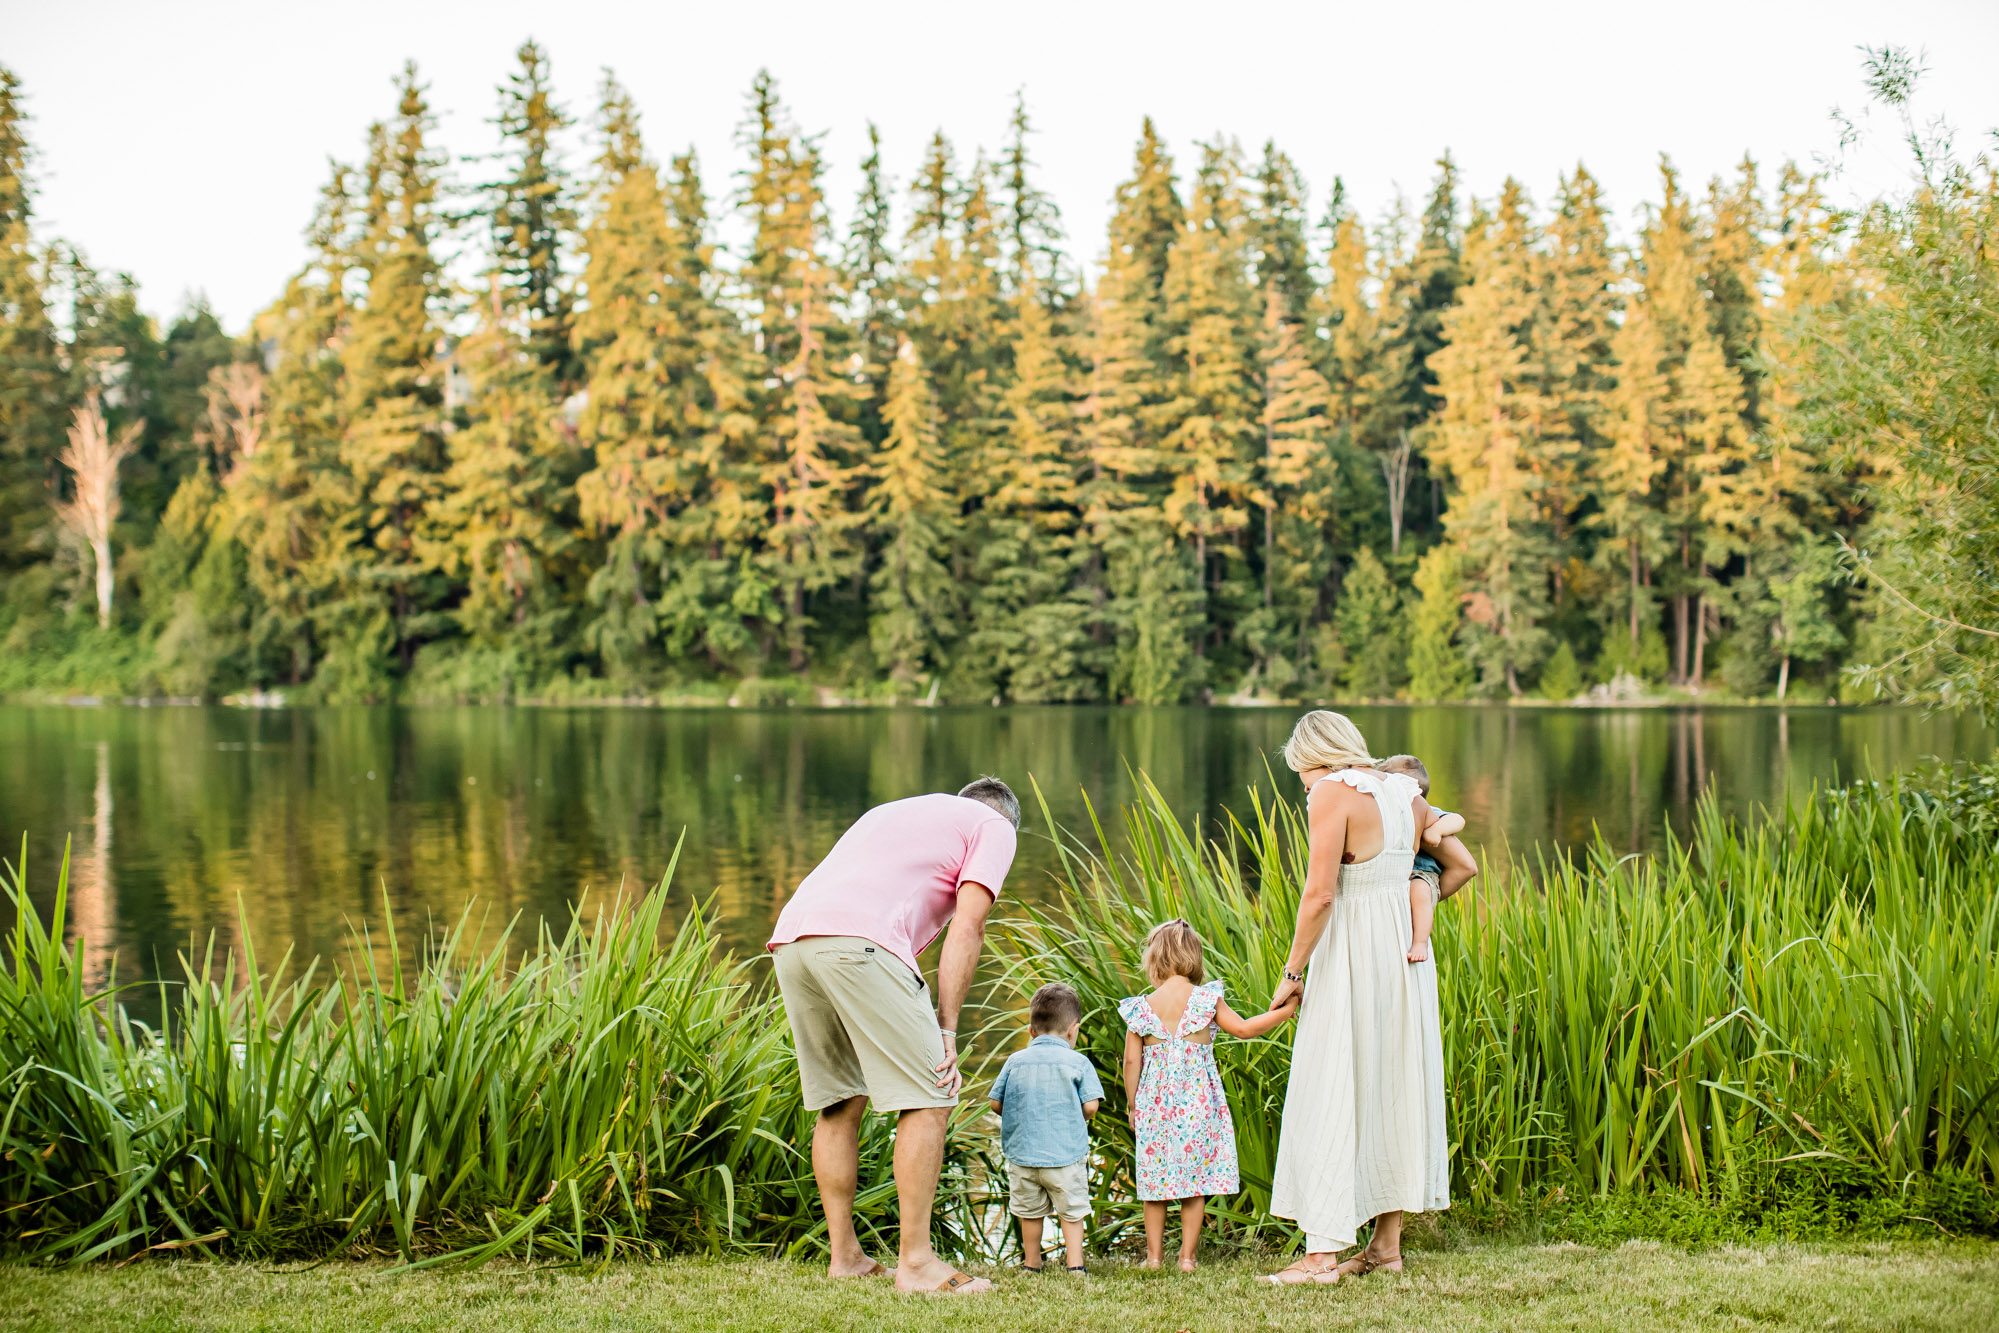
{"x":1363,"y":1130}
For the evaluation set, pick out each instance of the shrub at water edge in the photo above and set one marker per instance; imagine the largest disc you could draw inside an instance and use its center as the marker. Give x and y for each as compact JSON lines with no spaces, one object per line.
{"x":604,"y":1094}
{"x":1791,"y":1026}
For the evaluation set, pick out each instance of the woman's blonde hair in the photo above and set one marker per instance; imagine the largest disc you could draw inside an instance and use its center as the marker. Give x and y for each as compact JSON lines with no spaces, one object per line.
{"x":1173,"y":949}
{"x":1324,"y":739}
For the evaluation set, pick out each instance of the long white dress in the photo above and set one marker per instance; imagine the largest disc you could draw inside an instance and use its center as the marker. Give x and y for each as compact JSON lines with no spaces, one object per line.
{"x":1363,"y":1130}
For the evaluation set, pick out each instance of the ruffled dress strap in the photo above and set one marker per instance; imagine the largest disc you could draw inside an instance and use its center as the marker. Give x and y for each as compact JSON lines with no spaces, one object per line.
{"x":1138,"y":1016}
{"x":1200,"y":1010}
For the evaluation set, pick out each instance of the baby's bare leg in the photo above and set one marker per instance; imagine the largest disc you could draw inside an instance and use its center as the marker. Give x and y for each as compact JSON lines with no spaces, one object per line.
{"x":1072,"y":1242}
{"x":1421,"y":912}
{"x":1030,"y":1241}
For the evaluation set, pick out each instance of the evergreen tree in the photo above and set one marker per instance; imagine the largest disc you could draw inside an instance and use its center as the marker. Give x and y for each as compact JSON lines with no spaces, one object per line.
{"x":1030,"y":223}
{"x":532,"y":213}
{"x":1489,"y":433}
{"x":1629,"y":474}
{"x":914,"y":609}
{"x":808,"y":468}
{"x":1701,"y":414}
{"x":1438,"y":670}
{"x":871,"y":269}
{"x":1029,"y":627}
{"x":1212,"y":422}
{"x":30,"y":373}
{"x":675,"y":495}
{"x":1283,"y":257}
{"x":1372,"y":635}
{"x":1295,"y":494}
{"x":1803,"y":626}
{"x":295,"y":502}
{"x":388,"y":602}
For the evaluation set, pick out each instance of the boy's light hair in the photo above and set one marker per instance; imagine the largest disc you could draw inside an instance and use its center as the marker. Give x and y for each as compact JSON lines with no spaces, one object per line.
{"x":1325,"y":739}
{"x":1173,"y":949}
{"x":1054,"y":1008}
{"x":1411,"y":766}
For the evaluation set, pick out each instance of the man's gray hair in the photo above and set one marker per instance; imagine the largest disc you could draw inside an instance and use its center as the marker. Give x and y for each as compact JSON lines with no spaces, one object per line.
{"x":996,"y":794}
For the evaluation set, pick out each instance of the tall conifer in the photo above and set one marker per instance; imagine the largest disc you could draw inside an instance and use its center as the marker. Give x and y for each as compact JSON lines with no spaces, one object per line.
{"x":810,"y":440}
{"x":393,"y":443}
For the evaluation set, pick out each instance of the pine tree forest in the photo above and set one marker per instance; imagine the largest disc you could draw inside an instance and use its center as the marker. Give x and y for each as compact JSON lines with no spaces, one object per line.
{"x":523,"y":427}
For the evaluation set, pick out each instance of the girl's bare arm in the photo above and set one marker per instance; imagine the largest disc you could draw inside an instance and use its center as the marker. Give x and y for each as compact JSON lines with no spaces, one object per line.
{"x":1229,"y":1021}
{"x":1134,"y":1057}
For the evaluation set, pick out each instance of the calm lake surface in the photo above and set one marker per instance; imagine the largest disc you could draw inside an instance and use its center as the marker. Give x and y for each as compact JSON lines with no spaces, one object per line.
{"x":311,"y":818}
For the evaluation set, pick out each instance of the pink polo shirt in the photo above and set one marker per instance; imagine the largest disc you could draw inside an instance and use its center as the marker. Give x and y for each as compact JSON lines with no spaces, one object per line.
{"x":893,"y":877}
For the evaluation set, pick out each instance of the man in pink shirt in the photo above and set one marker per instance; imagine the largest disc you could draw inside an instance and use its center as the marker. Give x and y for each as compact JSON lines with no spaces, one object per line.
{"x":861,"y":1019}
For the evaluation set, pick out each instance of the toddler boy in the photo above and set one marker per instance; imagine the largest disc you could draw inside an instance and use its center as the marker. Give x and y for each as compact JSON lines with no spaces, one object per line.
{"x":1426,"y":876}
{"x":1045,"y":1096}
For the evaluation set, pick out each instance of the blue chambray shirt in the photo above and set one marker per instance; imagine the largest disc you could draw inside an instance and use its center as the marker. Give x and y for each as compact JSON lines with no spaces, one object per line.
{"x":1041,"y":1092}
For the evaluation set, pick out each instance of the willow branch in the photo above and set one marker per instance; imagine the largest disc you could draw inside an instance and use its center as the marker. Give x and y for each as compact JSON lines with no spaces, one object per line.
{"x":1905,"y":600}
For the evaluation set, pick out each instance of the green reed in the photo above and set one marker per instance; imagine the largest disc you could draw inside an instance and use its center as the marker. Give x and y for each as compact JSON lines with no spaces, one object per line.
{"x":598,"y":1094}
{"x":1805,"y":1004}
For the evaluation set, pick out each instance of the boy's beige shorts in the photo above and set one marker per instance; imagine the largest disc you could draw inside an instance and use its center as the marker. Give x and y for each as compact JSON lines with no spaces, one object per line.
{"x":861,"y":1023}
{"x":1049,"y":1191}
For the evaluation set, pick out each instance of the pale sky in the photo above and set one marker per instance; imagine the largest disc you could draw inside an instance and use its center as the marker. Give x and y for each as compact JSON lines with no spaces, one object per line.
{"x":183,"y":141}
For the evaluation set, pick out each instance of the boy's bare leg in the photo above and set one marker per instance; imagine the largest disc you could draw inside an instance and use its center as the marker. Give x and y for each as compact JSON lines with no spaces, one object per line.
{"x":919,"y":1156}
{"x":1030,"y":1242}
{"x":1072,"y":1242}
{"x":1192,"y":1212}
{"x":836,"y":1167}
{"x":1422,"y":911}
{"x":1155,"y":1232}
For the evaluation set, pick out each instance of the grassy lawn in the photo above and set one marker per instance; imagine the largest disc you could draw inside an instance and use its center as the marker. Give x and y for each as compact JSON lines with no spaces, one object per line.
{"x":1634,"y":1287}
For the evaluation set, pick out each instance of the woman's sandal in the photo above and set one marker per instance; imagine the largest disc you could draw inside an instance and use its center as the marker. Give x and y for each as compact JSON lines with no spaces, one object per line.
{"x":1363,"y":1264}
{"x":1303,"y":1274}
{"x":1078,"y":1268}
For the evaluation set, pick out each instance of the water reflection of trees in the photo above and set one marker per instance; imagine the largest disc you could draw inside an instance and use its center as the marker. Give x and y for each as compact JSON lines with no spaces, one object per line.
{"x":178,"y":814}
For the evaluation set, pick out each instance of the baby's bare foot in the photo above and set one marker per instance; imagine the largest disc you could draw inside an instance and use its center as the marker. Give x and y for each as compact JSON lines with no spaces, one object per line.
{"x":1187,"y":1264}
{"x":1150,"y":1265}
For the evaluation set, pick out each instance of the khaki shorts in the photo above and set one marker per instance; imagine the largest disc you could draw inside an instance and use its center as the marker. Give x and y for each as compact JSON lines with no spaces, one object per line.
{"x":1433,"y":878}
{"x":1049,"y":1191}
{"x":861,"y":1024}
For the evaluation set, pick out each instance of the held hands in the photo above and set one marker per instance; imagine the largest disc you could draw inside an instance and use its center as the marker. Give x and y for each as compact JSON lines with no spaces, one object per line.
{"x":1288,"y":994}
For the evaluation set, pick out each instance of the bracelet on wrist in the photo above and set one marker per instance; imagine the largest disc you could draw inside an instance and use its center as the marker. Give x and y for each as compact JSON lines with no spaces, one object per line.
{"x":1289,"y":975}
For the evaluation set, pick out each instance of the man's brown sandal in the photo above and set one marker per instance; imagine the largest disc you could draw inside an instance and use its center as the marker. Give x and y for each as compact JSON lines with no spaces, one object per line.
{"x":954,"y":1283}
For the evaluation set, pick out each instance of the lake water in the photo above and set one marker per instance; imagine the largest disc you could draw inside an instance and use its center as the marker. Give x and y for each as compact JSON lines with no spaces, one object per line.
{"x":312,"y":818}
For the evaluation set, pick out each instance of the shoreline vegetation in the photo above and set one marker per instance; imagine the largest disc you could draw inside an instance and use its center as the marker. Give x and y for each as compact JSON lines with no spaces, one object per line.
{"x":824,"y":697}
{"x":1754,"y":1036}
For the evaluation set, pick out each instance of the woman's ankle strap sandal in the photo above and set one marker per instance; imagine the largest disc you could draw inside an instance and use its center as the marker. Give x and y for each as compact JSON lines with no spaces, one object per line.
{"x":1369,"y":1264}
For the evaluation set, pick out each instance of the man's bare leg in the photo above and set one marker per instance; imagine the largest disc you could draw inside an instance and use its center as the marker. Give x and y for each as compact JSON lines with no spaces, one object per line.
{"x":836,"y":1167}
{"x":919,"y":1156}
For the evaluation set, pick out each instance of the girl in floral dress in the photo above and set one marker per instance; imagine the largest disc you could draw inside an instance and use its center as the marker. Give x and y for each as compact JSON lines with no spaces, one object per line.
{"x":1179,"y":1113}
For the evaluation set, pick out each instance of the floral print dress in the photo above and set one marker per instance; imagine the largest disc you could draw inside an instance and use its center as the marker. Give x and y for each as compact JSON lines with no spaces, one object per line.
{"x":1186,"y":1140}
